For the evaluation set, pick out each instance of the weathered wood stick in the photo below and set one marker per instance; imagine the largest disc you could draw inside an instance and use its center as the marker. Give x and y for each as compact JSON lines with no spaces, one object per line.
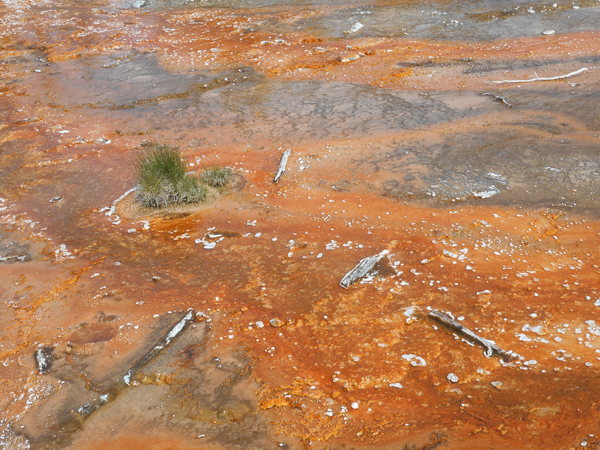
{"x":491,"y":349}
{"x":282,"y":164}
{"x":497,"y":97}
{"x":361,"y":269}
{"x":530,"y":80}
{"x":164,"y":342}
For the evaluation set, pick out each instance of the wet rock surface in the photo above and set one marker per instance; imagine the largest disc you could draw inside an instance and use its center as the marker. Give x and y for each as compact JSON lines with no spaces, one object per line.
{"x":14,"y":249}
{"x":488,"y":214}
{"x":89,"y":333}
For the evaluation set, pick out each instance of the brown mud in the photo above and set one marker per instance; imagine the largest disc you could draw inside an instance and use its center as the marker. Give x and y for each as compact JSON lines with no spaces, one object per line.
{"x":489,"y":212}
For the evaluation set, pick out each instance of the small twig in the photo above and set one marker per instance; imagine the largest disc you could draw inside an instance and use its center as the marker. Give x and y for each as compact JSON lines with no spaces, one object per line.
{"x":500,"y":99}
{"x":475,"y":417}
{"x":491,"y":349}
{"x":530,"y":80}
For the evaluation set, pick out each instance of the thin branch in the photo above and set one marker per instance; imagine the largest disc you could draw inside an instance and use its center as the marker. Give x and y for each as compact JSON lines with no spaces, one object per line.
{"x":530,"y":80}
{"x":491,"y":349}
{"x":496,"y":97}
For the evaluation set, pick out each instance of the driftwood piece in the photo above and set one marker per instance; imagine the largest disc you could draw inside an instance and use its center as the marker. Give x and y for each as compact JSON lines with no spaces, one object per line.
{"x":531,"y":80}
{"x":163,"y":343}
{"x":43,"y":359}
{"x":498,"y":98}
{"x":282,"y":164}
{"x":491,"y":349}
{"x":361,"y":269}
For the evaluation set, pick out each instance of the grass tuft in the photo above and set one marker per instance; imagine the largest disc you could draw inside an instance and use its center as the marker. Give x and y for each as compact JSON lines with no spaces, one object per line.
{"x":162,"y":178}
{"x":216,"y":176}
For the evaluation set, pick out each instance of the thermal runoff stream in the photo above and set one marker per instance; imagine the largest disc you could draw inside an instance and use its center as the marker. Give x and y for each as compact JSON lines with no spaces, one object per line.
{"x":423,"y":274}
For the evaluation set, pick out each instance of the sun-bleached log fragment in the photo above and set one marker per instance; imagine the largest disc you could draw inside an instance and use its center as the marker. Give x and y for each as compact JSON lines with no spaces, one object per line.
{"x":361,"y":269}
{"x":491,"y":349}
{"x":530,"y":80}
{"x":163,"y":343}
{"x":282,"y":164}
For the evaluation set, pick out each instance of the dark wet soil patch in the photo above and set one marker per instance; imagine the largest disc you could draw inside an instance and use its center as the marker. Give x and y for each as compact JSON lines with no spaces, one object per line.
{"x":93,"y":332}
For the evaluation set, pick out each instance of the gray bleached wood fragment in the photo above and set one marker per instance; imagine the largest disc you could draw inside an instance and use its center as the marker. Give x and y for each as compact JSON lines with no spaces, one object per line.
{"x":497,"y":98}
{"x":361,"y":269}
{"x":43,"y":359}
{"x":164,"y":342}
{"x":491,"y":349}
{"x":20,"y":258}
{"x":531,"y":80}
{"x":176,"y":330}
{"x":282,"y":164}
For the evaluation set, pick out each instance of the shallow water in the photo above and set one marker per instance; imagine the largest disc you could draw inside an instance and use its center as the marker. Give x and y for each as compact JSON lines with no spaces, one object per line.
{"x":483,"y":193}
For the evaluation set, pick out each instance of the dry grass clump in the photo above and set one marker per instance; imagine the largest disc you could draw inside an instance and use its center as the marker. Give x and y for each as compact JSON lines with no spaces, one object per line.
{"x":163,"y":180}
{"x":216,"y":176}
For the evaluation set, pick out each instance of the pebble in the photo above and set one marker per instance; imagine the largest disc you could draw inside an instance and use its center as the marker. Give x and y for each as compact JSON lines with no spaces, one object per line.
{"x":548,"y":32}
{"x":275,"y":323}
{"x":354,"y":405}
{"x":452,"y":378}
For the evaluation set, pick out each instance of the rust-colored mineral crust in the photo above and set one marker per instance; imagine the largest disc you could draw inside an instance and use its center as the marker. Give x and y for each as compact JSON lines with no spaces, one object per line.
{"x":461,"y":214}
